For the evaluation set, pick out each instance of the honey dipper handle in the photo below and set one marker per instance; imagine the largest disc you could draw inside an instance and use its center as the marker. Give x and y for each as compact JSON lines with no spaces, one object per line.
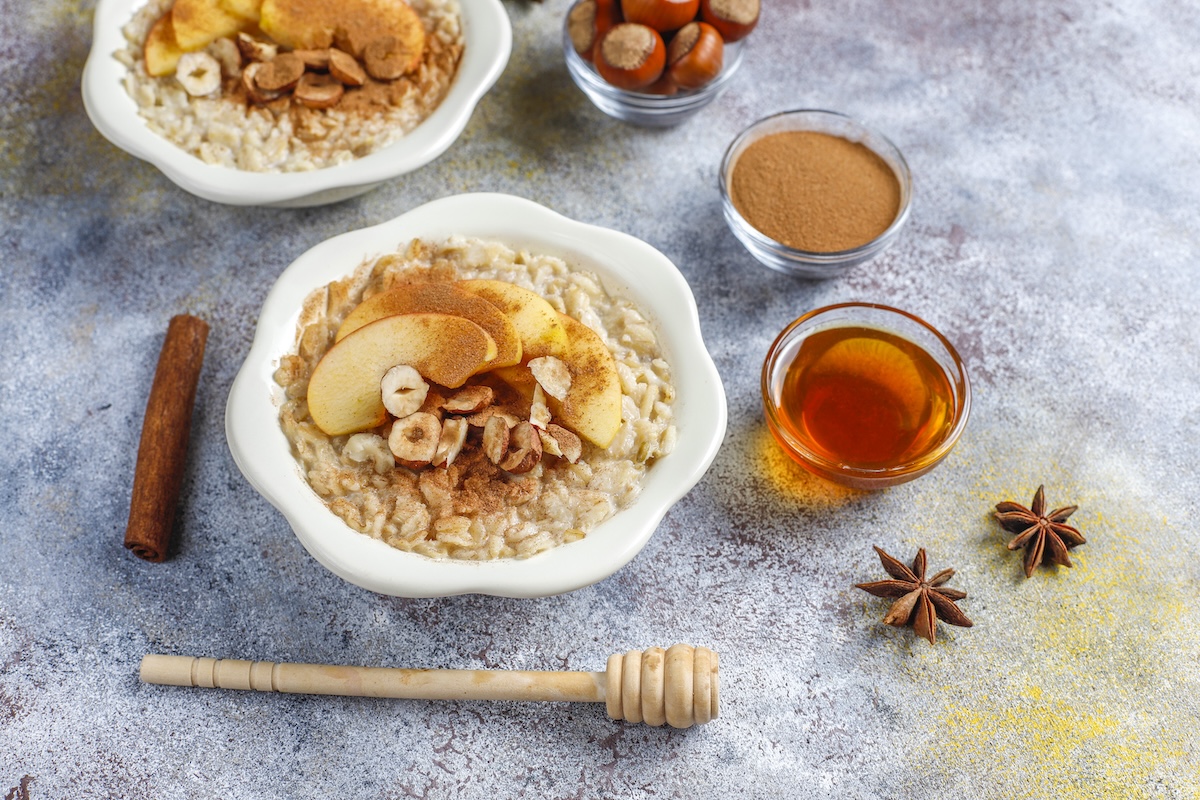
{"x":413,"y":684}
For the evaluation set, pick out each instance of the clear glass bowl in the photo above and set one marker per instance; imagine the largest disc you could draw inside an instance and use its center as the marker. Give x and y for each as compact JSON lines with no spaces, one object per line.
{"x":803,"y":263}
{"x":864,"y":315}
{"x":648,"y":110}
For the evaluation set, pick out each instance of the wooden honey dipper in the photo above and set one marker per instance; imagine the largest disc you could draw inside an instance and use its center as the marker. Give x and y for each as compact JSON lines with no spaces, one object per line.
{"x":677,"y":686}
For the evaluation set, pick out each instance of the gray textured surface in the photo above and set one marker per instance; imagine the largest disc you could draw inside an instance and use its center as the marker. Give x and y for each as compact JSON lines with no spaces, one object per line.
{"x":1053,"y":238}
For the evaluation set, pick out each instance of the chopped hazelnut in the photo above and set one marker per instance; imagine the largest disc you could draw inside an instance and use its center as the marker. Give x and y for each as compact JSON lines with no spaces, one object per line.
{"x":454,"y":435}
{"x":346,"y":68}
{"x":255,"y":50}
{"x":469,"y":400}
{"x":495,"y":439}
{"x":525,"y":449}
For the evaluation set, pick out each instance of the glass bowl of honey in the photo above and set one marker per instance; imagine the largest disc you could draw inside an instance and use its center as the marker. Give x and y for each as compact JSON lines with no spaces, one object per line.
{"x":865,"y":395}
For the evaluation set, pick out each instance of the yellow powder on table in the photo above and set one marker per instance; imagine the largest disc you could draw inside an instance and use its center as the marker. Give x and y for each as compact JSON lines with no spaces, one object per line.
{"x":814,"y":191}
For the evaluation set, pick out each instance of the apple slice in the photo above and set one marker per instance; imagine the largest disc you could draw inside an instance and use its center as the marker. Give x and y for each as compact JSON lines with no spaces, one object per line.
{"x":344,"y":392}
{"x":592,"y":406}
{"x":161,"y":50}
{"x":248,"y":10}
{"x":350,"y":24}
{"x":440,"y":298}
{"x":536,"y":321}
{"x":199,"y":23}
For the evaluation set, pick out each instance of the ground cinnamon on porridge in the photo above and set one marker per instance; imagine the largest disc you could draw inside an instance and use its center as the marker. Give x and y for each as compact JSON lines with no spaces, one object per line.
{"x":474,"y":509}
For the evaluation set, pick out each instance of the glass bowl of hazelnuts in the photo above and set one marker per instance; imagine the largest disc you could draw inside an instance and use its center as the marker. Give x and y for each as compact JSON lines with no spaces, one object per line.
{"x":656,"y":62}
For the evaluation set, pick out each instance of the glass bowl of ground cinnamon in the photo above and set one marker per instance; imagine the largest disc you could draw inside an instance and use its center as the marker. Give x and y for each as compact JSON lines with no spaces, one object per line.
{"x":667,"y":100}
{"x":812,"y":193}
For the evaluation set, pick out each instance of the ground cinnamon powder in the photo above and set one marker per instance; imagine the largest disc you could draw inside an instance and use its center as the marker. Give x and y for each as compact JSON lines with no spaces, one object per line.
{"x":814,"y":191}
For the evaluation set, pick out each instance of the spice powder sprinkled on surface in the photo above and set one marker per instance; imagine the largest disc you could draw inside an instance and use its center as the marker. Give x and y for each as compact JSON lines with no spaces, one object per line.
{"x":814,"y":191}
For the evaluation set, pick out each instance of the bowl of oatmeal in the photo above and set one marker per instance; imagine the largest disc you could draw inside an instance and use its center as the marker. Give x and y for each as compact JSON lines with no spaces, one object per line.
{"x":631,"y":416}
{"x":311,"y":112}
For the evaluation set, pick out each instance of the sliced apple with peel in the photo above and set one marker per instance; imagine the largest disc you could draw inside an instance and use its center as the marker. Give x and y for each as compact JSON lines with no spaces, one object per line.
{"x":350,"y":24}
{"x":344,"y":393}
{"x":592,"y":405}
{"x":161,"y":50}
{"x":537,"y":323}
{"x":199,"y":23}
{"x":440,"y":298}
{"x":248,"y":10}
{"x":519,"y":378}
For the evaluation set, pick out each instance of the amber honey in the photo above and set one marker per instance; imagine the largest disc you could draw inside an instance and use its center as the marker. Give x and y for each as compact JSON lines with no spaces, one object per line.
{"x":865,"y":398}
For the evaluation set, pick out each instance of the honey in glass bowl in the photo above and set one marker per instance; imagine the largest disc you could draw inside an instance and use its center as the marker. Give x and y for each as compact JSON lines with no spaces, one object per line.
{"x":864,"y":395}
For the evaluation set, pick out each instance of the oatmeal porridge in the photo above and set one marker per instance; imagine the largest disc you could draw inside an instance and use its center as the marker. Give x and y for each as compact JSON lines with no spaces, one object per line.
{"x":306,"y":97}
{"x":469,"y":448}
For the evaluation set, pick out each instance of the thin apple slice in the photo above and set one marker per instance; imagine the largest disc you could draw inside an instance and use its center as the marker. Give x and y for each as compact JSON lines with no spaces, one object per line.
{"x":199,"y":23}
{"x":592,"y":406}
{"x":344,"y":392}
{"x":440,"y":298}
{"x":248,"y":10}
{"x":161,"y":50}
{"x":536,"y":321}
{"x":350,"y":25}
{"x":519,"y":378}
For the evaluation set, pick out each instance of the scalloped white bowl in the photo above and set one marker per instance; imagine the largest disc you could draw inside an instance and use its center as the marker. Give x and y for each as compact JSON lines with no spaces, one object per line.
{"x":628,"y":267}
{"x":487,"y":36}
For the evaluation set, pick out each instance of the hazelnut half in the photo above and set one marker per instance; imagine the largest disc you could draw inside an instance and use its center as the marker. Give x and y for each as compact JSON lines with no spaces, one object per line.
{"x":250,"y":84}
{"x":318,"y":91}
{"x":280,"y":74}
{"x":414,"y":439}
{"x":346,"y":68}
{"x":469,"y":400}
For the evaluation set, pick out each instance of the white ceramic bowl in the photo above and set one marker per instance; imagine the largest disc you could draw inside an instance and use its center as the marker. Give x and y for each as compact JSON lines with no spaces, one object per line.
{"x":627,"y":266}
{"x":488,"y":43}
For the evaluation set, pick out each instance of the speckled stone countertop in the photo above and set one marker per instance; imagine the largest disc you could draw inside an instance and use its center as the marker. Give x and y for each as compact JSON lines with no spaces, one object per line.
{"x":1054,"y":239}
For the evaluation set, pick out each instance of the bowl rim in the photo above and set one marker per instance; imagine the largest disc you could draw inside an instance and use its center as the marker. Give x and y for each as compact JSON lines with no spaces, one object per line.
{"x":832,"y":258}
{"x":626,"y":266}
{"x":487,"y":35}
{"x":858,"y":476}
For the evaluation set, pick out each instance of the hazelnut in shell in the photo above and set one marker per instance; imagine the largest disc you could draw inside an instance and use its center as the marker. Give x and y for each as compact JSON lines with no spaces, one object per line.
{"x":695,"y":55}
{"x":662,"y":15}
{"x":733,"y":19}
{"x":581,"y":27}
{"x":588,"y":21}
{"x":631,"y":56}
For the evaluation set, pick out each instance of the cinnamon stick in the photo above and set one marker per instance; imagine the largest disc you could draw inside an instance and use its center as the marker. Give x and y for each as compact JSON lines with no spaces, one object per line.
{"x":162,"y":453}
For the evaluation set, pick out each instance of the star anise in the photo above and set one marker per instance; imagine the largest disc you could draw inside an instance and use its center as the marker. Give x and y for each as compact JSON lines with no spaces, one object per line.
{"x":921,"y":602}
{"x":1038,"y":531}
